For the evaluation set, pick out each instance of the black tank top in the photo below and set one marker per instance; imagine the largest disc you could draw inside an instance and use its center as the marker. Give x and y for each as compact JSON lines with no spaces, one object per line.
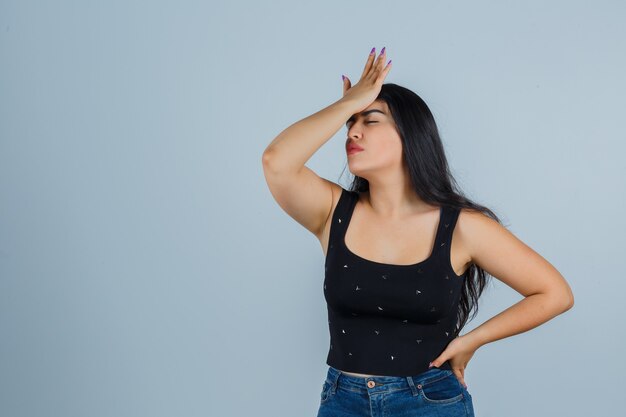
{"x":387,"y":319}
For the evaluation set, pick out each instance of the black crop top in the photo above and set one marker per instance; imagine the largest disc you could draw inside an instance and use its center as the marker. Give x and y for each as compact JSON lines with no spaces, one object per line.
{"x":387,"y":319}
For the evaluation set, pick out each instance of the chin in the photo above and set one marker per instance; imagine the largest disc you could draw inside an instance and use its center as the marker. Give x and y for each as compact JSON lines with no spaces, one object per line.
{"x":357,"y":170}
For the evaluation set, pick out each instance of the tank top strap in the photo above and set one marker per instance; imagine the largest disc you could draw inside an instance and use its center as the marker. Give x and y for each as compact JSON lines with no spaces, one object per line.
{"x":449,"y":216}
{"x":341,"y":216}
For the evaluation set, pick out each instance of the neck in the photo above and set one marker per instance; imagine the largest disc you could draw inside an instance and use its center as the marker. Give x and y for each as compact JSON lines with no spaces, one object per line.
{"x":394,"y":200}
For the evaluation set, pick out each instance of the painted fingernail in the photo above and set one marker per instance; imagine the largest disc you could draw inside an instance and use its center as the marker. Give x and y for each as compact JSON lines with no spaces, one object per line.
{"x":343,"y":78}
{"x":389,"y":62}
{"x":373,"y":50}
{"x":382,"y":51}
{"x":430,"y":365}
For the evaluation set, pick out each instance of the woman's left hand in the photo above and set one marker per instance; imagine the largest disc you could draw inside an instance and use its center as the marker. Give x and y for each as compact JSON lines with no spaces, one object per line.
{"x":458,"y":352}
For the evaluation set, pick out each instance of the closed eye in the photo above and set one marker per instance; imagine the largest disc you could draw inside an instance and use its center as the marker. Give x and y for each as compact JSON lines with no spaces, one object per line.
{"x":370,"y":121}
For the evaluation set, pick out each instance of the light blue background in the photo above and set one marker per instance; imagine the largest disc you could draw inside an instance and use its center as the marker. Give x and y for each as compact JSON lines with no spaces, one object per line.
{"x":145,"y":269}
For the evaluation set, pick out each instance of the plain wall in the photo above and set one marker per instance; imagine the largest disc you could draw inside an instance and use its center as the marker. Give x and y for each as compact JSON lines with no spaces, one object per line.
{"x":146,"y":270}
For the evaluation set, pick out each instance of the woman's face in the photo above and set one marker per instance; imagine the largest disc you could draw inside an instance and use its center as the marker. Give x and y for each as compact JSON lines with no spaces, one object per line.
{"x":374,"y":131}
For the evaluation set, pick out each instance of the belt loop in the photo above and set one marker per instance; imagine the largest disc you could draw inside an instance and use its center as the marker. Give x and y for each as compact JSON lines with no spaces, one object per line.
{"x":414,"y":390}
{"x":334,"y":379}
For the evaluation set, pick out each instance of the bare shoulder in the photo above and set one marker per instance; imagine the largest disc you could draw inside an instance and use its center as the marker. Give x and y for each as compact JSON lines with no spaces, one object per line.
{"x":473,"y":226}
{"x":503,"y":255}
{"x":324,"y":235}
{"x":477,"y":220}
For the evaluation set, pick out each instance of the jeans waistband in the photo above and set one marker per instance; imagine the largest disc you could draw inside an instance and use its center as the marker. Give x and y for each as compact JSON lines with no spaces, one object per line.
{"x":384,"y":383}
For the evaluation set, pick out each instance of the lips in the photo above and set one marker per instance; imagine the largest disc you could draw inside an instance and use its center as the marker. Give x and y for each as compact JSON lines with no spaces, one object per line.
{"x":353,"y":148}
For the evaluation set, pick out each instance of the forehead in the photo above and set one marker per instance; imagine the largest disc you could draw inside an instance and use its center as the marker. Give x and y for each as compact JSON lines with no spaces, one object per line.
{"x":377,"y":105}
{"x":375,"y":108}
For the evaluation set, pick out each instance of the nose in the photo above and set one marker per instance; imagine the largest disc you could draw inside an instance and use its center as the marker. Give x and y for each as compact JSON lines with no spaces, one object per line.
{"x":353,"y":133}
{"x":353,"y":140}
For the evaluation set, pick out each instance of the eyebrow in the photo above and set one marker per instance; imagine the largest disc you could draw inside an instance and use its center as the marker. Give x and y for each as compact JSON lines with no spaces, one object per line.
{"x":363,"y":114}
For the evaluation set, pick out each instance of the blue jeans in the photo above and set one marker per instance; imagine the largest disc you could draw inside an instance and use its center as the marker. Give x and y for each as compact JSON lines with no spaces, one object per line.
{"x":436,"y":392}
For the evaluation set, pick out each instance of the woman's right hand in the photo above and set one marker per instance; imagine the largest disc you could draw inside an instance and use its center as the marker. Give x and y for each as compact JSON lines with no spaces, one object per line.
{"x":367,"y":89}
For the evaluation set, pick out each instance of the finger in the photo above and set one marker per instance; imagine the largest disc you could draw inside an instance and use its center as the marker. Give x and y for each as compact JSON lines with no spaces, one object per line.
{"x":346,"y":85}
{"x":369,"y":62}
{"x":376,"y":69}
{"x":459,"y":376}
{"x":381,"y":58}
{"x":384,"y":72}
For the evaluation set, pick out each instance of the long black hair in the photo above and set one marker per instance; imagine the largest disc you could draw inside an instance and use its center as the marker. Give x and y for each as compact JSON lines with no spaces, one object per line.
{"x":425,"y":159}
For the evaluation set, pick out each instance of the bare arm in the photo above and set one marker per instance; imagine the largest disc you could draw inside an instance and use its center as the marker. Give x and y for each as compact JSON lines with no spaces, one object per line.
{"x":294,"y":146}
{"x":299,"y":191}
{"x":495,"y":249}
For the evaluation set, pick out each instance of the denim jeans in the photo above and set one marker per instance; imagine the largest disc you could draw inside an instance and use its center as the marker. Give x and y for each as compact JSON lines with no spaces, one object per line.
{"x":435,"y":392}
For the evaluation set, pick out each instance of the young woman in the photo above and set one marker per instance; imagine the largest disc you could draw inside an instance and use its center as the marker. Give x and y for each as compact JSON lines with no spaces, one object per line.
{"x":407,"y":255}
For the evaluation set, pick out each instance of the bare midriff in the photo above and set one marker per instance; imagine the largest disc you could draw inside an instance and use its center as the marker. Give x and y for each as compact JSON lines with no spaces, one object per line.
{"x":359,"y":375}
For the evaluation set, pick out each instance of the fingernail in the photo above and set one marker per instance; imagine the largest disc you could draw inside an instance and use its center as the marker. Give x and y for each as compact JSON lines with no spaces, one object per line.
{"x":430,"y":365}
{"x":389,"y":62}
{"x":373,"y":50}
{"x":342,"y":77}
{"x":382,"y":51}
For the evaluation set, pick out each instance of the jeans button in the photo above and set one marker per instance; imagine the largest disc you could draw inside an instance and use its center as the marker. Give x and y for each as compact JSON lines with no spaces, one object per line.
{"x":371,"y":384}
